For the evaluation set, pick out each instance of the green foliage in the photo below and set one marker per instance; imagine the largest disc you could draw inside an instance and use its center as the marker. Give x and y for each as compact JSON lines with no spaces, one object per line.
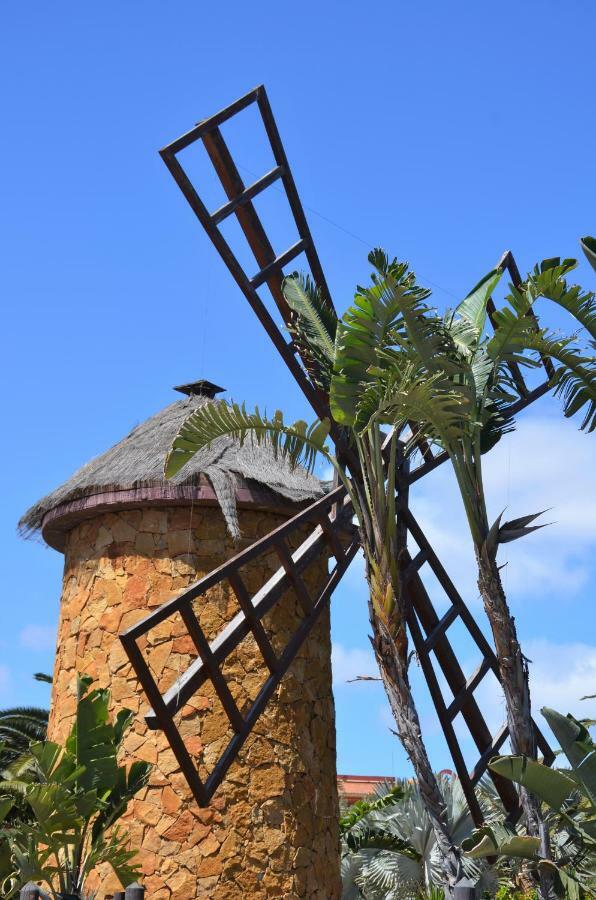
{"x":313,"y":327}
{"x":389,"y":851}
{"x":357,"y":811}
{"x":505,"y":893}
{"x":298,"y":443}
{"x":571,"y":795}
{"x":20,"y":726}
{"x":70,"y":797}
{"x":588,"y":245}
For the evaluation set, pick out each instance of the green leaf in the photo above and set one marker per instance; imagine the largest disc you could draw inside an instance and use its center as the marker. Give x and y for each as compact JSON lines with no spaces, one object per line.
{"x":5,"y":807}
{"x":552,"y":786}
{"x":577,"y":745}
{"x":575,"y":378}
{"x":377,"y":839}
{"x":498,"y":841}
{"x":474,"y":307}
{"x":127,"y":785}
{"x":588,"y":245}
{"x":313,"y":326}
{"x":441,"y":410}
{"x":516,"y":528}
{"x":548,"y":281}
{"x":371,"y":325}
{"x":362,"y":808}
{"x":297,"y":443}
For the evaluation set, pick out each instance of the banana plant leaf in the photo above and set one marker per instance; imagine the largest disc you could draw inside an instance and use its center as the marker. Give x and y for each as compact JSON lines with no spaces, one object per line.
{"x":577,"y":745}
{"x":588,"y":245}
{"x":497,"y":840}
{"x":551,"y":785}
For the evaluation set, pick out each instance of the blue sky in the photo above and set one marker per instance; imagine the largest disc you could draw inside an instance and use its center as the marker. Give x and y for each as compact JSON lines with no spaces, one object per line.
{"x":444,"y":132}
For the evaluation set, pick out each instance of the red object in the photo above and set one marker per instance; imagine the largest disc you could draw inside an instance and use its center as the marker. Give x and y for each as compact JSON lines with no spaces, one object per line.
{"x":356,"y":787}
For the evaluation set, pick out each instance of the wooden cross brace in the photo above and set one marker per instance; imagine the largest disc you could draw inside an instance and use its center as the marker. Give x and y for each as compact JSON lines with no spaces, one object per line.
{"x":329,"y":518}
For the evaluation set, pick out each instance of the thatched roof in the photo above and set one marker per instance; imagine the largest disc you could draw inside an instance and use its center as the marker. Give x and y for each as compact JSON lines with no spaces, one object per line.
{"x":137,"y":461}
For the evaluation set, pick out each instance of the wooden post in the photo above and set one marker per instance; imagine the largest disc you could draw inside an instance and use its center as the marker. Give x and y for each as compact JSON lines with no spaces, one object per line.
{"x":135,"y":891}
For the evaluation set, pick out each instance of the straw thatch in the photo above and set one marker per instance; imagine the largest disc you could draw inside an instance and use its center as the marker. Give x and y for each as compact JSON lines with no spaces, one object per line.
{"x":138,"y":460}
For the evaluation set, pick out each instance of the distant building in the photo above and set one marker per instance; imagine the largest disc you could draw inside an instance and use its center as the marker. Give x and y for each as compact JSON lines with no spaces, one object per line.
{"x":356,"y":787}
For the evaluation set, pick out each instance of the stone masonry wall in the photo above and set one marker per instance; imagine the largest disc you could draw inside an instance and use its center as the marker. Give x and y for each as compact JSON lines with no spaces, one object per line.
{"x":271,"y":830}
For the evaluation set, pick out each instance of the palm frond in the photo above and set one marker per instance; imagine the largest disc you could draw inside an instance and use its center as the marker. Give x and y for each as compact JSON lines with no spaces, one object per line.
{"x":548,"y":281}
{"x":510,"y":325}
{"x":370,"y":326}
{"x":575,"y":378}
{"x":438,"y":407}
{"x":313,"y":326}
{"x":298,"y":443}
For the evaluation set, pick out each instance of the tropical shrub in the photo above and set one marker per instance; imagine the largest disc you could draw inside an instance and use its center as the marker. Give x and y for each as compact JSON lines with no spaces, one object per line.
{"x":72,"y":797}
{"x":389,"y":849}
{"x":570,"y":795}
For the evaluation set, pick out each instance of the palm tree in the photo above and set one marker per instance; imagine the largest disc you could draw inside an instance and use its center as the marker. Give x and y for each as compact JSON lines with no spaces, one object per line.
{"x":393,"y":361}
{"x":19,"y":728}
{"x":389,"y":848}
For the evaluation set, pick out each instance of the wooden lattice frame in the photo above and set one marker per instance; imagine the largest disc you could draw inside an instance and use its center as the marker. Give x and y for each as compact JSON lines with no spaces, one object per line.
{"x":329,"y":517}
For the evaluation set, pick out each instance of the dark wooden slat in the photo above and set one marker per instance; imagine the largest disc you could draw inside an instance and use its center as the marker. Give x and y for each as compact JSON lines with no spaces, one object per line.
{"x":292,"y":194}
{"x":422,"y":607}
{"x":257,"y":629}
{"x":237,"y":629}
{"x":293,"y":574}
{"x":219,"y":683}
{"x":454,"y":708}
{"x":277,"y":264}
{"x":329,"y":530}
{"x":166,"y":723}
{"x":204,"y":792}
{"x":452,"y":592}
{"x":247,"y":194}
{"x":481,"y":766}
{"x":450,"y":736}
{"x":441,"y":627}
{"x":316,"y":401}
{"x":414,"y":566}
{"x":285,"y":530}
{"x":214,"y":121}
{"x":259,"y":242}
{"x":231,"y":751}
{"x":247,"y":216}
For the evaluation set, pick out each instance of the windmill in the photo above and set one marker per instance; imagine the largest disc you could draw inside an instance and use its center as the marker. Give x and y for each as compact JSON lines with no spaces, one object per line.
{"x":329,"y":518}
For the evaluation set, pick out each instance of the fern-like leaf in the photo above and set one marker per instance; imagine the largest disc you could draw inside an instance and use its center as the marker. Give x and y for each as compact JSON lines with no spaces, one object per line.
{"x":439,"y":408}
{"x":313,"y":326}
{"x":548,"y":281}
{"x":575,"y":378}
{"x":298,"y":443}
{"x":371,"y":325}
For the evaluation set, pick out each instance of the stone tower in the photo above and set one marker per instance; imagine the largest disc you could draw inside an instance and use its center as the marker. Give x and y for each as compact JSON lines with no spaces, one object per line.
{"x":131,"y":541}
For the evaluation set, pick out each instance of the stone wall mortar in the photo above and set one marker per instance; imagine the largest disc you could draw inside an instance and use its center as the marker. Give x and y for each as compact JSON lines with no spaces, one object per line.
{"x":271,"y":829}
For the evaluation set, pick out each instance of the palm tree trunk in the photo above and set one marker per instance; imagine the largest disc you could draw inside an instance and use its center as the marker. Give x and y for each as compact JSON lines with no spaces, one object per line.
{"x":393,"y":665}
{"x":514,"y":679}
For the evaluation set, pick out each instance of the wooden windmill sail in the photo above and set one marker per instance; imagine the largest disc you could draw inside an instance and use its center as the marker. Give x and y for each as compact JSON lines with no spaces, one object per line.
{"x":329,"y":518}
